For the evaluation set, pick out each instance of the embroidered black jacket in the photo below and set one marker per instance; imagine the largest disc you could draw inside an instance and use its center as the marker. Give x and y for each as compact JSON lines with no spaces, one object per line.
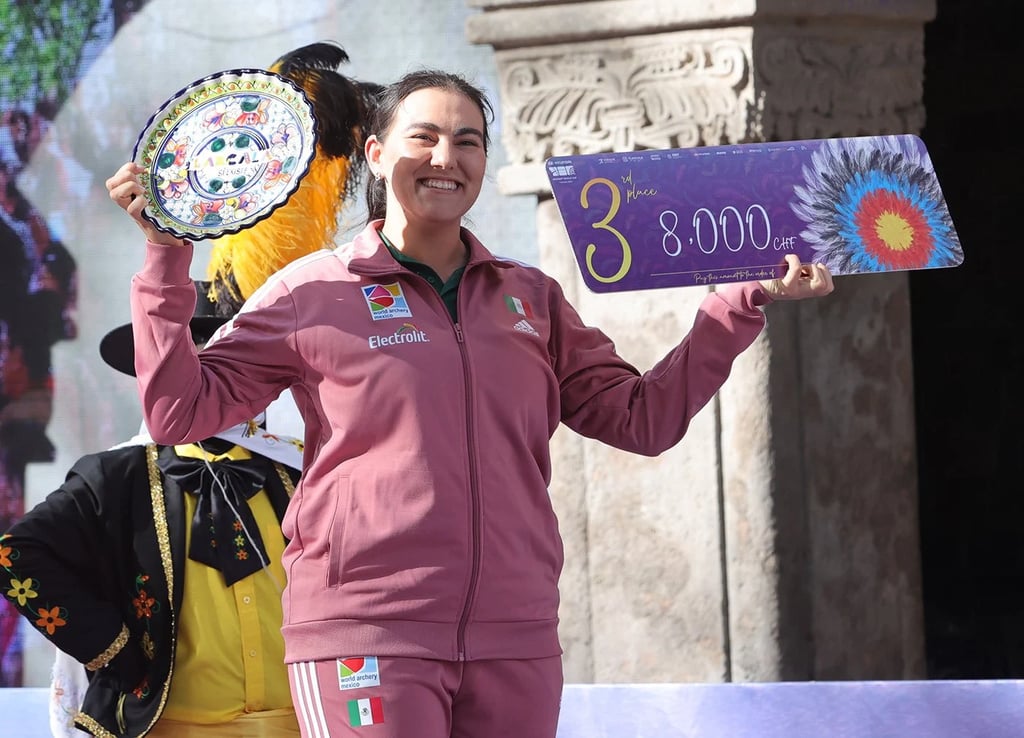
{"x":97,"y":568}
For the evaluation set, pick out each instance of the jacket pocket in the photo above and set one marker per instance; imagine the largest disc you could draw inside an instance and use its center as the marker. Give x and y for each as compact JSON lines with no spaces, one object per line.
{"x":399,"y":544}
{"x":336,"y":533}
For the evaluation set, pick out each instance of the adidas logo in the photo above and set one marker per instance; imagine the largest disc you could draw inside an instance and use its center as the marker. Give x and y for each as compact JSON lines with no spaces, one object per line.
{"x":525,"y":327}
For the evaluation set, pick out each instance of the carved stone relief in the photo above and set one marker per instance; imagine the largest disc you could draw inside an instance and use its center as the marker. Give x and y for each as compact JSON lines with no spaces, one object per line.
{"x":699,"y":88}
{"x":671,"y":91}
{"x":811,"y":85}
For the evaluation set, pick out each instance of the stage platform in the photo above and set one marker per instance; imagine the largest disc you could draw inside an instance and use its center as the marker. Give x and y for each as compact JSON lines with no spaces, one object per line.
{"x":910,"y":709}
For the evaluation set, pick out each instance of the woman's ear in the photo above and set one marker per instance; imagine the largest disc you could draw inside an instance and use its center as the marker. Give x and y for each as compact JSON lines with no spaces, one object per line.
{"x":371,"y":150}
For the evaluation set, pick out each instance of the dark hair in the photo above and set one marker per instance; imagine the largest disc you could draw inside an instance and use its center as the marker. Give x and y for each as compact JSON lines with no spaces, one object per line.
{"x":386,"y":104}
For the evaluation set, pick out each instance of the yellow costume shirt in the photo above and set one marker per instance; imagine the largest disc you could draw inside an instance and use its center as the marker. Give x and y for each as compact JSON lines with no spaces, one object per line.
{"x":230,"y":654}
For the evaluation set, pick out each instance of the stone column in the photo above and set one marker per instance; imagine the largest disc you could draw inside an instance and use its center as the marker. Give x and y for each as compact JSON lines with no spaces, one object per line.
{"x":778,"y":541}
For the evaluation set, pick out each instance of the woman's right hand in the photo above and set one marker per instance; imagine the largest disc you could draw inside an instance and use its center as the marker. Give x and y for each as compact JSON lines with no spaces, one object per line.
{"x":125,"y":189}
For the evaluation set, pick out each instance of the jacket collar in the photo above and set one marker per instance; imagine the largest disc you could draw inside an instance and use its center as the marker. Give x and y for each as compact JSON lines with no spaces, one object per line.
{"x":367,"y":255}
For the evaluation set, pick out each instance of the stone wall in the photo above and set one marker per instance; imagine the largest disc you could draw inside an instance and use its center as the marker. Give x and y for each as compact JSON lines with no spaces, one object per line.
{"x":778,"y":540}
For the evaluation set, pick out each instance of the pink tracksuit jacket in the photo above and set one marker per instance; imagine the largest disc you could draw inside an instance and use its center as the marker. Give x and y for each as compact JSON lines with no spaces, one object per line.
{"x":422,"y":525}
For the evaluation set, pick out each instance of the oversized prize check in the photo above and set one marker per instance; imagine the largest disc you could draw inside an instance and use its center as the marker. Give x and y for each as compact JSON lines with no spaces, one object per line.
{"x":701,"y":216}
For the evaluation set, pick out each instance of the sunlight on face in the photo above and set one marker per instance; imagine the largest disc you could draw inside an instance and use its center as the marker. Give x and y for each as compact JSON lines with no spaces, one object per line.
{"x":433,"y":157}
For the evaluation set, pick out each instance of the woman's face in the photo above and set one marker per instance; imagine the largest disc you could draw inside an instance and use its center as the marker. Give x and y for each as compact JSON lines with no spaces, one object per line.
{"x":432,"y":157}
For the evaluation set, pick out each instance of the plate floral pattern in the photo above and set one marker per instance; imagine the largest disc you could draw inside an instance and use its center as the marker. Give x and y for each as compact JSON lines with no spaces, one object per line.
{"x":224,"y":152}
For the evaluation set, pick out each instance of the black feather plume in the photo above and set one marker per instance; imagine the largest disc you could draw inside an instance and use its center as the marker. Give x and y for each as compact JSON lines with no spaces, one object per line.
{"x":321,"y":55}
{"x":339,"y":103}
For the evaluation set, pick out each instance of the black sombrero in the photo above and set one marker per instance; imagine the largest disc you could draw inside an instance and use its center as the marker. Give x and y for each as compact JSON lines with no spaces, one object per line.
{"x":118,"y":347}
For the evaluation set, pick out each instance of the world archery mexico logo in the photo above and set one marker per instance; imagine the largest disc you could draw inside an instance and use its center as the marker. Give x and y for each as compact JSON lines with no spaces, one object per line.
{"x":386,"y":301}
{"x":358,"y":672}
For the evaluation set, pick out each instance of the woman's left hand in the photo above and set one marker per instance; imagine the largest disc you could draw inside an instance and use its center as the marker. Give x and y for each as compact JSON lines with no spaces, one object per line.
{"x":799,"y":281}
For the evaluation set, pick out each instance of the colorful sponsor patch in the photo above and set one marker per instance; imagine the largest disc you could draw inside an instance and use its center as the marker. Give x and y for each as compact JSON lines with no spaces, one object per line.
{"x":368,"y":711}
{"x":521,"y":307}
{"x":357,"y":672}
{"x":386,"y":301}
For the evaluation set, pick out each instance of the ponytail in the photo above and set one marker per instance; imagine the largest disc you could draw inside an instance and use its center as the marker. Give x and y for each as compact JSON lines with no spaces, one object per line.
{"x":376,"y":198}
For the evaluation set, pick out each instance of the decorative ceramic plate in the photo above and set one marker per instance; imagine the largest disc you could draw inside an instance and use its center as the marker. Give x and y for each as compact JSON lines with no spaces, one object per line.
{"x":224,"y":152}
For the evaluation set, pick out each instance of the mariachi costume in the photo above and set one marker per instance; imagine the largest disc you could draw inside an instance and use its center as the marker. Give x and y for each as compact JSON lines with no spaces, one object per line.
{"x":99,"y":566}
{"x":98,"y":569}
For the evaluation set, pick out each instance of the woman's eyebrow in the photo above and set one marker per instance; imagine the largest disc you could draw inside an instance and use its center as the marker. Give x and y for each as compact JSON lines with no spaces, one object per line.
{"x":434,"y":128}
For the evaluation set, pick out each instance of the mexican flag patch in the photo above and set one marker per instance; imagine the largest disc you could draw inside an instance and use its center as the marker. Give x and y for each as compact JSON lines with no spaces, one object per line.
{"x":518,"y":306}
{"x":369,"y":711}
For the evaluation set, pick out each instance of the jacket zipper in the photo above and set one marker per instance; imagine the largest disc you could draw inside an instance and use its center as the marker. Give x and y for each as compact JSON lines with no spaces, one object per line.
{"x":474,"y":492}
{"x":474,"y":502}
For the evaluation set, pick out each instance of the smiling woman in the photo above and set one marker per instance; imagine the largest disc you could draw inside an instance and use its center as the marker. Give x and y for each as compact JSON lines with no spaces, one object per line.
{"x":423,"y":544}
{"x":428,"y":161}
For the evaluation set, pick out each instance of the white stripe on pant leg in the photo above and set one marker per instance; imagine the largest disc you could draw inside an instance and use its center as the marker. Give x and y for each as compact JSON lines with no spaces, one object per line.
{"x":307,"y":705}
{"x":311,"y":709}
{"x":318,"y":704}
{"x":301,"y":701}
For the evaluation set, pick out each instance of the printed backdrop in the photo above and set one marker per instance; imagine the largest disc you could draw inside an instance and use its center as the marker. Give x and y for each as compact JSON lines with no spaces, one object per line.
{"x":47,"y":45}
